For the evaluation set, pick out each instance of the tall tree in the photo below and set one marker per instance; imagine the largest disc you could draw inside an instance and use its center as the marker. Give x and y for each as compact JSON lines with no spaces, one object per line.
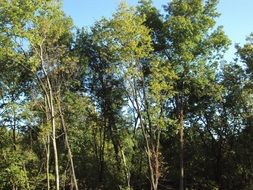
{"x":193,"y":46}
{"x":40,"y":30}
{"x":147,"y":79}
{"x":106,"y":89}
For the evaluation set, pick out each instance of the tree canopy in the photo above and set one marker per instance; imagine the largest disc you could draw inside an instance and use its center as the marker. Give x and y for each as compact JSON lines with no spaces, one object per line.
{"x":142,"y":100}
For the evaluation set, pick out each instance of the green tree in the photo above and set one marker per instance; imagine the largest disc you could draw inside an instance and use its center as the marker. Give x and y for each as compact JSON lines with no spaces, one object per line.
{"x":104,"y":88}
{"x":193,"y":46}
{"x":246,"y":52}
{"x":40,"y":30}
{"x":147,"y":79}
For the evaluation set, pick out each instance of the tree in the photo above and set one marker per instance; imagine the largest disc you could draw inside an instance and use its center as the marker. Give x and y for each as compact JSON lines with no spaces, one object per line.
{"x":245,"y":55}
{"x":105,"y":89}
{"x":40,"y":31}
{"x":192,"y":48}
{"x":128,"y":47}
{"x":122,"y":105}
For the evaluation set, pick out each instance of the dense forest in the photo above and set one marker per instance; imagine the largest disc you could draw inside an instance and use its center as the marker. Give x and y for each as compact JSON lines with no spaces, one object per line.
{"x":142,"y":100}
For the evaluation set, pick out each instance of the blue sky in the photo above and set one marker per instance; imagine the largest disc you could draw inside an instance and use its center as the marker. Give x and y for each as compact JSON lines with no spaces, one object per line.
{"x":86,"y":12}
{"x":236,"y":15}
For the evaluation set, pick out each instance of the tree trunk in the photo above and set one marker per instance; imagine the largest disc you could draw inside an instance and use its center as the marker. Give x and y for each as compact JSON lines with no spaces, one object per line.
{"x":127,"y":173}
{"x":48,"y":157}
{"x":150,"y":151}
{"x":181,"y":134}
{"x":48,"y":91}
{"x":14,"y":130}
{"x":57,"y":178}
{"x":70,"y":156}
{"x":47,"y":146}
{"x":114,"y":139}
{"x":50,"y":103}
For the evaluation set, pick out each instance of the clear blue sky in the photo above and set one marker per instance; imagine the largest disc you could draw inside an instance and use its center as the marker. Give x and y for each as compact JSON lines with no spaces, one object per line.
{"x":86,"y":12}
{"x":236,"y":15}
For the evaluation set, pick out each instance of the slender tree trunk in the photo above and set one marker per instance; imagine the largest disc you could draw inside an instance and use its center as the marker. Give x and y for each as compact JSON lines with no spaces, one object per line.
{"x":180,"y":117}
{"x":127,"y":173}
{"x":47,"y":145}
{"x":71,"y":186}
{"x":115,"y":142}
{"x":70,"y":156}
{"x":151,"y":140}
{"x":50,"y":101}
{"x":47,"y":162}
{"x":154,"y":134}
{"x":150,"y":151}
{"x":14,"y":131}
{"x":181,"y":134}
{"x":57,"y":178}
{"x":157,"y":160}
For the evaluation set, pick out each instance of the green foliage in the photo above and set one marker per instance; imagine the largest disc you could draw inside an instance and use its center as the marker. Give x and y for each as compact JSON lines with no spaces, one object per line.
{"x":246,"y":52}
{"x":14,"y":163}
{"x":118,"y":89}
